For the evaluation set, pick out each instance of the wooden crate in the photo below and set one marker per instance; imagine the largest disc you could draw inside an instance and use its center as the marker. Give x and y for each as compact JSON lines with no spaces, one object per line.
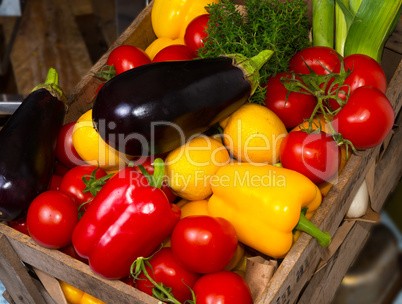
{"x":308,"y":274}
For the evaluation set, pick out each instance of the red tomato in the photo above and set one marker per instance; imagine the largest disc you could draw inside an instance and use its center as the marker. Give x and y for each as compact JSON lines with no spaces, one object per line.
{"x":315,"y":155}
{"x":51,"y":219}
{"x":166,"y":270}
{"x":73,"y":184}
{"x":365,"y":72}
{"x":292,"y":109}
{"x":126,"y":57}
{"x":70,"y":250}
{"x":196,"y":32}
{"x":223,"y":287}
{"x":20,"y":225}
{"x":366,"y":119}
{"x":147,"y":162}
{"x":203,"y":243}
{"x":316,"y":57}
{"x":128,"y":280}
{"x":174,"y":52}
{"x":55,"y":182}
{"x":65,"y":151}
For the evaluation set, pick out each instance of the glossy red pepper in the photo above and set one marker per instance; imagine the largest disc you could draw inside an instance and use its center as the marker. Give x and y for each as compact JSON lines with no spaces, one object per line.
{"x":127,"y":219}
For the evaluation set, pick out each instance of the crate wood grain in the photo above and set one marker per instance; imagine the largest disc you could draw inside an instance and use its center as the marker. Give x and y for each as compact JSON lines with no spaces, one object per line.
{"x":296,"y":278}
{"x":67,"y":35}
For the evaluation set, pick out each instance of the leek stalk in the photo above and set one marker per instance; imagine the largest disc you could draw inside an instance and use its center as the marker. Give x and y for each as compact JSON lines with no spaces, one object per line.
{"x":341,"y":28}
{"x":372,"y":25}
{"x":323,"y":22}
{"x":354,"y":5}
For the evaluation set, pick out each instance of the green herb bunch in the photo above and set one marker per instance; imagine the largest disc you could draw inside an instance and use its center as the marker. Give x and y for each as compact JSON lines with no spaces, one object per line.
{"x":278,"y":25}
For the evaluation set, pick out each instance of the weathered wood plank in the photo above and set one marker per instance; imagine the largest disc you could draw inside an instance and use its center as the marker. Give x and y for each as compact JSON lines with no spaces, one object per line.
{"x":72,"y":271}
{"x":106,"y":17}
{"x":323,"y":285}
{"x":15,"y":277}
{"x":48,"y":37}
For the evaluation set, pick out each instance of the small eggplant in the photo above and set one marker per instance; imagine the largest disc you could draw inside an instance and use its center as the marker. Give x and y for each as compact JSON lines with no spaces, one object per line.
{"x":156,"y":107}
{"x":27,"y":147}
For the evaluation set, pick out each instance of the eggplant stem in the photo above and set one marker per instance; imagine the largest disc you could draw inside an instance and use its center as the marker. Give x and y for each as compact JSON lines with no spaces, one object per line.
{"x":52,"y":77}
{"x":323,"y":237}
{"x":251,"y":66}
{"x":52,"y":85}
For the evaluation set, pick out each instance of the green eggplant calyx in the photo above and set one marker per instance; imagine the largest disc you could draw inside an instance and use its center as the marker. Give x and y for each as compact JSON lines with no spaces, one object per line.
{"x":251,"y":66}
{"x":52,"y":85}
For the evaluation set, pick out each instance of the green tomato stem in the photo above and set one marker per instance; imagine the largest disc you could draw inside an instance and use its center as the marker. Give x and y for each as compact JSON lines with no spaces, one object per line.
{"x":139,"y":265}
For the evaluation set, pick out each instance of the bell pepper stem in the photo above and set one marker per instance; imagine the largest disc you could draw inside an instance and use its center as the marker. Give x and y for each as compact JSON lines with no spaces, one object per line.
{"x":323,"y":237}
{"x":159,"y":172}
{"x":155,"y":179}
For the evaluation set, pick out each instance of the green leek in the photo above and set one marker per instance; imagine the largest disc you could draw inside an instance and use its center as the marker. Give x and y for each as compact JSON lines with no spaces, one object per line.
{"x":341,"y":28}
{"x":372,"y":25}
{"x":323,"y":22}
{"x":354,"y":6}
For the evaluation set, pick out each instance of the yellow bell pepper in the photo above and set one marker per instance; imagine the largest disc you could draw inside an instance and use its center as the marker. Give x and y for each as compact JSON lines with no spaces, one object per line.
{"x":170,"y":17}
{"x":264,"y":203}
{"x":194,"y":208}
{"x":75,"y":296}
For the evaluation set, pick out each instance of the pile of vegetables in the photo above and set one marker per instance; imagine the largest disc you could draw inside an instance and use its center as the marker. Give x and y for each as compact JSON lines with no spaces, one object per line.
{"x":171,"y":189}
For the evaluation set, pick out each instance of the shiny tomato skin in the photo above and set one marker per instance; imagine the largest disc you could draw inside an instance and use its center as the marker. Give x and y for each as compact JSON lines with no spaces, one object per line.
{"x":126,"y":57}
{"x":222,"y":287}
{"x":365,"y":72}
{"x":292,"y":109}
{"x":315,"y":155}
{"x":72,"y":183}
{"x":66,"y":154}
{"x":315,"y":57}
{"x":20,"y":225}
{"x":366,"y":119}
{"x":203,"y":244}
{"x":196,"y":32}
{"x":166,"y":270}
{"x":51,"y":219}
{"x":174,"y":52}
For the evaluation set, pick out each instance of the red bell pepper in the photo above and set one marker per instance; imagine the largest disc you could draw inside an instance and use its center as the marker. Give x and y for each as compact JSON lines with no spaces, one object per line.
{"x":127,"y":219}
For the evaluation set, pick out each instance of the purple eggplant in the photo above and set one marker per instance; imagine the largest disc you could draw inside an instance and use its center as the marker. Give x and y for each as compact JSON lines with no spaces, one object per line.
{"x":27,"y":153}
{"x":156,"y":107}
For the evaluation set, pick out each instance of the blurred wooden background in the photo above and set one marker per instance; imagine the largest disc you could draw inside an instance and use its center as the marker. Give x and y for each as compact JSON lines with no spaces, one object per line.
{"x":67,"y":35}
{"x":72,"y":35}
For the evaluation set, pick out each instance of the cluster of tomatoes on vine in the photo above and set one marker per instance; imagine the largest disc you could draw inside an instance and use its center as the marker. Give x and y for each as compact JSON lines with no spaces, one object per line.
{"x":327,"y":102}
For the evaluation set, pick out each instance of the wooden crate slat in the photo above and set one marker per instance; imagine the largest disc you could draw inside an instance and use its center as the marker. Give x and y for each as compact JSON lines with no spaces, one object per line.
{"x":15,"y":277}
{"x":323,"y":285}
{"x":72,"y":271}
